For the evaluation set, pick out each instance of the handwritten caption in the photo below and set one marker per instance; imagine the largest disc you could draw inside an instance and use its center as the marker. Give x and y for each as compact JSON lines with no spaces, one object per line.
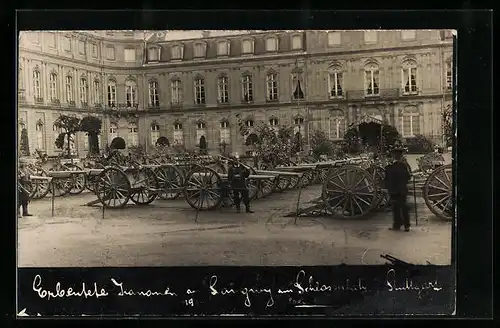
{"x":302,"y":285}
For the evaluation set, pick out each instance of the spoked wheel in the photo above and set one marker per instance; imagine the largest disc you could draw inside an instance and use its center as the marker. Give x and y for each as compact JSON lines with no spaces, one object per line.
{"x":265,"y":187}
{"x":438,"y":194}
{"x":323,"y":173}
{"x":349,"y":192}
{"x":144,"y":186}
{"x":294,"y":181}
{"x":282,"y":184}
{"x":306,"y":178}
{"x":92,"y":179}
{"x":170,"y":181}
{"x":42,"y":187}
{"x":61,"y":186}
{"x":112,"y":188}
{"x":252,"y":185}
{"x":78,"y":181}
{"x":378,"y":174}
{"x":201,"y":188}
{"x":218,"y":167}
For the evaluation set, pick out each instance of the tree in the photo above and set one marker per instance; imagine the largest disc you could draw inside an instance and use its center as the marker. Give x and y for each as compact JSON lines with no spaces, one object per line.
{"x":203,"y":145}
{"x":24,"y":146}
{"x":117,"y":143}
{"x":252,"y":140}
{"x":447,"y":121}
{"x":92,"y":126}
{"x":69,"y":125}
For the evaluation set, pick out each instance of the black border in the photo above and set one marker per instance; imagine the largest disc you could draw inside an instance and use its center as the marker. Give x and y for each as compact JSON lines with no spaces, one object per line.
{"x":474,"y":168}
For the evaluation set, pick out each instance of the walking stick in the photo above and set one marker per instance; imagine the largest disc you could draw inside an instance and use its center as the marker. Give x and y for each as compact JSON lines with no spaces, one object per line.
{"x":415,"y":200}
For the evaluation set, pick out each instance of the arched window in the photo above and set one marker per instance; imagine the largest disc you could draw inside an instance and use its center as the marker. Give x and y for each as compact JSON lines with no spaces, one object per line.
{"x":222,"y":89}
{"x":112,"y":94}
{"x":298,"y":120}
{"x":223,"y":48}
{"x":272,"y":44}
{"x":200,"y":49}
{"x":155,"y":132}
{"x":247,"y":88}
{"x":40,"y":136}
{"x":249,"y":123}
{"x":335,"y":81}
{"x":297,"y":42}
{"x":131,"y":92}
{"x":225,"y":132}
{"x":37,"y":89}
{"x":176,"y":93}
{"x":297,"y":85}
{"x":409,"y":77}
{"x":178,"y":134}
{"x":272,"y":86}
{"x":69,"y":90}
{"x":372,"y":80}
{"x":201,"y":130}
{"x":133,"y":135}
{"x":177,"y":52}
{"x":410,"y":122}
{"x":273,"y":122}
{"x":97,"y":92}
{"x":53,"y":87}
{"x":154,"y":100}
{"x":247,"y":47}
{"x":113,"y":132}
{"x":199,"y":91}
{"x":84,"y":92}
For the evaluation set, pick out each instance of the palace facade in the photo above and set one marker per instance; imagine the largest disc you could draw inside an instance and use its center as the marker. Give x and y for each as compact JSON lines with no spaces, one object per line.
{"x":145,"y":85}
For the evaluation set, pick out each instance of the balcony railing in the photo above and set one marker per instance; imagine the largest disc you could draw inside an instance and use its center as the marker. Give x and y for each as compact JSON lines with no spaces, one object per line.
{"x":373,"y":94}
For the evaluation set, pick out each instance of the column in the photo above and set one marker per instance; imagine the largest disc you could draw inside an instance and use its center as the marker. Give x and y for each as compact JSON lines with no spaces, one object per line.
{"x":62,"y":93}
{"x":77,"y":87}
{"x":104,"y":81}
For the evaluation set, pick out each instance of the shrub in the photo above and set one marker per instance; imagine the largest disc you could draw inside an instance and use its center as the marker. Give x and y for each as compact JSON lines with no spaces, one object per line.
{"x":419,"y":145}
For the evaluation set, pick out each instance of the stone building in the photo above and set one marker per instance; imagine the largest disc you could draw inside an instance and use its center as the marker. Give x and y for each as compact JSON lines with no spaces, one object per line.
{"x":144,"y":85}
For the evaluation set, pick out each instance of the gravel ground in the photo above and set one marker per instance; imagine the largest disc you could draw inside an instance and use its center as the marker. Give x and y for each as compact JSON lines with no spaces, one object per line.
{"x":165,"y":234}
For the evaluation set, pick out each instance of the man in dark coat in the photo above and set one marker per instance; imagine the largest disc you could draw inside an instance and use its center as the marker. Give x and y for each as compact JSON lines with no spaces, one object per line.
{"x":237,"y":175}
{"x":22,"y":193}
{"x":397,"y":176}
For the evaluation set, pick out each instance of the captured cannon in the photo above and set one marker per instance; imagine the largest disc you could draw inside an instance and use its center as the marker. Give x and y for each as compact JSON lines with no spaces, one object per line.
{"x":438,"y":192}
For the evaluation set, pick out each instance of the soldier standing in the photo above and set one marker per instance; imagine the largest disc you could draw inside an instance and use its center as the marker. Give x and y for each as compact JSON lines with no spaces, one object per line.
{"x":22,"y":193}
{"x":237,"y":175}
{"x":397,"y":176}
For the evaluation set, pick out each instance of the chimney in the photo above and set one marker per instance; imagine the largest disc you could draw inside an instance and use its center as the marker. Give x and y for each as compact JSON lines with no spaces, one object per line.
{"x":205,"y":34}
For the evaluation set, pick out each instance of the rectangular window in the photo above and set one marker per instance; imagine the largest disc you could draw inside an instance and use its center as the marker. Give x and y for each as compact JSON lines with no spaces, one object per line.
{"x":408,"y":35}
{"x":69,"y":89}
{"x":199,"y":50}
{"x":111,"y":95}
{"x":297,"y":42}
{"x":51,"y":39}
{"x":449,"y":76}
{"x":155,"y":133}
{"x":247,"y":90}
{"x":410,"y":80}
{"x":175,"y":87}
{"x":225,"y":133}
{"x":110,"y":53}
{"x":372,"y":78}
{"x":199,"y":91}
{"x":178,"y":134}
{"x":337,"y":128}
{"x":67,"y":44}
{"x":97,"y":92}
{"x":154,"y":100}
{"x":129,"y":55}
{"x":410,"y":125}
{"x":222,"y":48}
{"x":113,"y":132}
{"x":335,"y":83}
{"x":84,"y":92}
{"x":370,"y":36}
{"x":334,"y":39}
{"x":81,"y":47}
{"x":94,"y":50}
{"x":222,"y":90}
{"x":272,"y":44}
{"x":53,"y":87}
{"x":131,"y":93}
{"x":153,"y":54}
{"x":37,"y":90}
{"x":177,"y":52}
{"x":272,"y":87}
{"x":133,"y":137}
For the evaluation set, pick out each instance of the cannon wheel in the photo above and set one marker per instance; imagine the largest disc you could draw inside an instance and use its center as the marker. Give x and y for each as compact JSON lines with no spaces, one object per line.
{"x":169,"y":179}
{"x":92,"y":179}
{"x":112,"y":188}
{"x":144,"y":186}
{"x":282,"y":184}
{"x":438,"y":192}
{"x":378,"y":174}
{"x":42,"y":187}
{"x":266,"y":188}
{"x":78,"y":181}
{"x":253,"y":185}
{"x":306,"y":178}
{"x":218,"y":167}
{"x":201,"y":188}
{"x":61,"y":186}
{"x":349,"y":192}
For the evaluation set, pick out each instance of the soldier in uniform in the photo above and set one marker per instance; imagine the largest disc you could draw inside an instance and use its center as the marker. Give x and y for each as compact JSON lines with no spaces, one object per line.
{"x":22,"y":193}
{"x":237,"y":175}
{"x":397,"y":176}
